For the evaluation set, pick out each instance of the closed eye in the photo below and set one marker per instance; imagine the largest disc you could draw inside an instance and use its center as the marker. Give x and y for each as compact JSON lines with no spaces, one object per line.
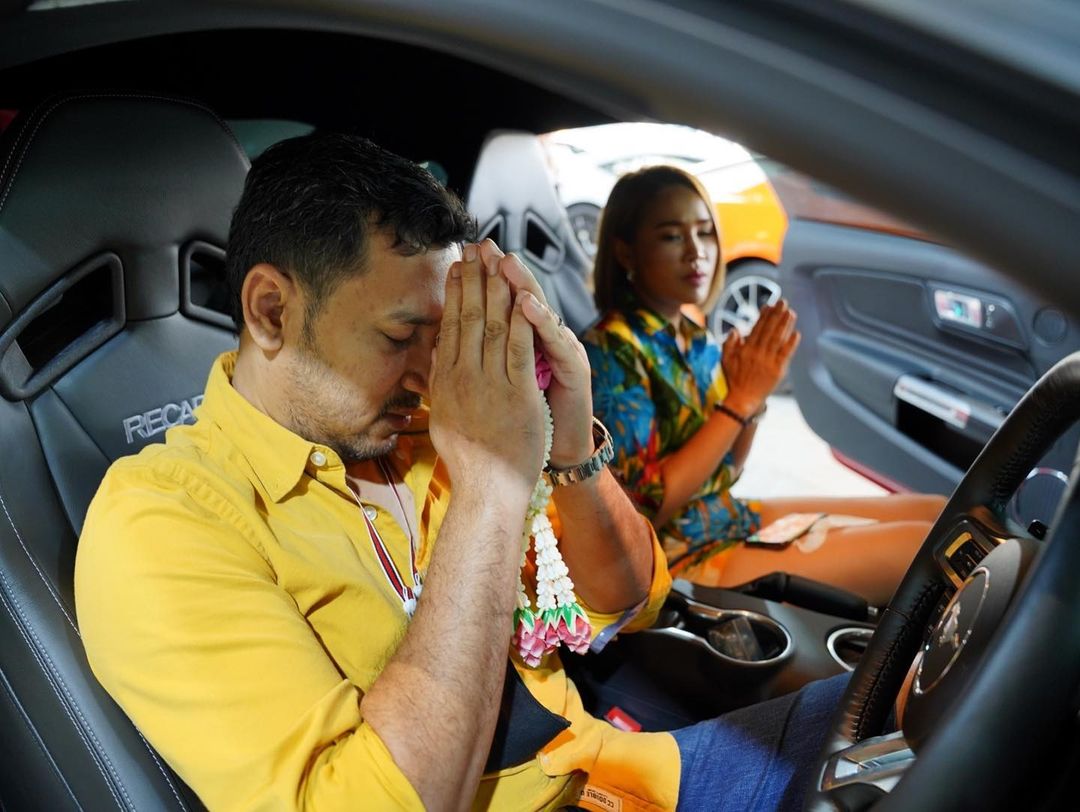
{"x":400,"y":343}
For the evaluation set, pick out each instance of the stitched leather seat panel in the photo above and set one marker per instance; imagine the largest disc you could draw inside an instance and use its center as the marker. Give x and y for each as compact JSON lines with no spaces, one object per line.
{"x":100,"y":194}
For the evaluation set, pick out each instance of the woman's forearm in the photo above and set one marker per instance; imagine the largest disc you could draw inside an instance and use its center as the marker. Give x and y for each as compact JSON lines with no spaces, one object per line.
{"x":685,"y":471}
{"x":741,"y":449}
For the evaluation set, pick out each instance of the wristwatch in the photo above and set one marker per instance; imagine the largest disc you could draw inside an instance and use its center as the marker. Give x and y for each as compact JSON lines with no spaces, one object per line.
{"x":604,"y":453}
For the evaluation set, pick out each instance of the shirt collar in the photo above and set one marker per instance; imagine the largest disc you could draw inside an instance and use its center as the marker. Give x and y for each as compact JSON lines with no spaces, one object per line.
{"x":277,"y":456}
{"x":651,"y":322}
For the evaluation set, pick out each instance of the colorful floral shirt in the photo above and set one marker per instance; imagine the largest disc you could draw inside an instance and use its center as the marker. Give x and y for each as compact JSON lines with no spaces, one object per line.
{"x":653,"y":397}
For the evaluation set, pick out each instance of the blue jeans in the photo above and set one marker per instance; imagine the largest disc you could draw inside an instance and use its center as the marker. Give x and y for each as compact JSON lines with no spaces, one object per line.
{"x":758,"y":758}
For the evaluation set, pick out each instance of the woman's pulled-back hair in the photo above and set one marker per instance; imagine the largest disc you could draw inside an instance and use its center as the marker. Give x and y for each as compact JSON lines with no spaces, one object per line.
{"x":621,"y":220}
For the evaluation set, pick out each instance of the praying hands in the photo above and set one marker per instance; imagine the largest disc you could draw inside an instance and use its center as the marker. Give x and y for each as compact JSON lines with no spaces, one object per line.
{"x":755,"y":365}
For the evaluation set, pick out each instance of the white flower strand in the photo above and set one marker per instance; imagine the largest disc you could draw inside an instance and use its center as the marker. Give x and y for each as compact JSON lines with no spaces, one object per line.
{"x":553,"y":585}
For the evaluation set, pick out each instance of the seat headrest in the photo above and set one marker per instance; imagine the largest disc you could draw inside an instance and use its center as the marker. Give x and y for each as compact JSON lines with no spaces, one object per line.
{"x":114,"y":183}
{"x":114,"y":215}
{"x":512,"y":176}
{"x":513,"y":199}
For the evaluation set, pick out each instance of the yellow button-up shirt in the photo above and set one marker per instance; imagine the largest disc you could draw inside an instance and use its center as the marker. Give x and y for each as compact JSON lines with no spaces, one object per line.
{"x":231,"y":601}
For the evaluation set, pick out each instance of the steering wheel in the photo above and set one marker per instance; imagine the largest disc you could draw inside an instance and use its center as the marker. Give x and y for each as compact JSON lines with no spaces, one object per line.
{"x":996,"y":619}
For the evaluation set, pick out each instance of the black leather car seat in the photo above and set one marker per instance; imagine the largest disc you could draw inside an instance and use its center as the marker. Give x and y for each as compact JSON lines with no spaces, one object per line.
{"x":114,"y":211}
{"x":514,"y":201}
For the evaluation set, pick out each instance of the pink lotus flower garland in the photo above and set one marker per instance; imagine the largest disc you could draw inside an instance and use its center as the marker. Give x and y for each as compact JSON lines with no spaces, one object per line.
{"x":558,"y":618}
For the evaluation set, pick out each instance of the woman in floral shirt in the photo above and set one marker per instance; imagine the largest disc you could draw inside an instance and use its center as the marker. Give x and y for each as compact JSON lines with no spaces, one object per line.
{"x":683,"y":410}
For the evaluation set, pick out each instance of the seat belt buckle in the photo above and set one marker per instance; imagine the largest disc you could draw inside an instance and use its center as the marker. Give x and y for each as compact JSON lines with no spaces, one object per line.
{"x":622,"y":720}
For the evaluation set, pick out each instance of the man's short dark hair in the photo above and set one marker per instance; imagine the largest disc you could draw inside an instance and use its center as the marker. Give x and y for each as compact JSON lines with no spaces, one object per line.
{"x":309,"y":204}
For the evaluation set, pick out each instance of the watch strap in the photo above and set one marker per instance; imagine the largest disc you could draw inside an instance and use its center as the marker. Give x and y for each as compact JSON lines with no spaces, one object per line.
{"x":597,"y":462}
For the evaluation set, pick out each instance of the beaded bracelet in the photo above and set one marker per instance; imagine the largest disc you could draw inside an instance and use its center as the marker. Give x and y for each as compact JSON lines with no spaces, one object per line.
{"x":738,"y":418}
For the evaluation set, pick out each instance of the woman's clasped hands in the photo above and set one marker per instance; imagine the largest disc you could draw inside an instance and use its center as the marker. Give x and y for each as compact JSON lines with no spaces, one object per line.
{"x":755,"y":365}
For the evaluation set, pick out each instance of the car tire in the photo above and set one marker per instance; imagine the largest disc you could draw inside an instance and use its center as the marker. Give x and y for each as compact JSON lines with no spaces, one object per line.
{"x":749,"y":286}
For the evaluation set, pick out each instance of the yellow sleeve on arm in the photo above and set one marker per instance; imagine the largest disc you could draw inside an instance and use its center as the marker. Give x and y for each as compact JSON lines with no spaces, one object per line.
{"x":186,"y":627}
{"x":605,"y":625}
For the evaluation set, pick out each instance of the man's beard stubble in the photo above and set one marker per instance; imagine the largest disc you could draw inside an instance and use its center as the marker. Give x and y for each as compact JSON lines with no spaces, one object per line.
{"x":310,"y":422}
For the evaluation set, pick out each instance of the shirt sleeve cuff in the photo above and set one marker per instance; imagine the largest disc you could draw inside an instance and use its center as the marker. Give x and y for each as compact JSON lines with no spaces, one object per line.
{"x":644,"y":613}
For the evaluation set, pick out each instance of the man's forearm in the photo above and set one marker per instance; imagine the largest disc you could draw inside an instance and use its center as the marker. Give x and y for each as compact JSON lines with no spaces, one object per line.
{"x":435,"y":704}
{"x":606,"y":543}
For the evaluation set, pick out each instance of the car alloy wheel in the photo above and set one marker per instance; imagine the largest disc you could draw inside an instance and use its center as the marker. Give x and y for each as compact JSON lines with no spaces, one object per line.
{"x":747,"y":289}
{"x":585,"y":221}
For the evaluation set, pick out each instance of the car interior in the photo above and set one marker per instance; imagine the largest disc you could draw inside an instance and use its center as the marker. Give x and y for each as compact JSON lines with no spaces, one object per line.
{"x":116,"y":191}
{"x":526,"y":217}
{"x":109,"y":341}
{"x":915,"y":354}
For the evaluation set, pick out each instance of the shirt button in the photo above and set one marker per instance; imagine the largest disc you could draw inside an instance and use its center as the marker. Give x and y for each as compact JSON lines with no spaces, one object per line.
{"x":370,"y":512}
{"x":318,"y":459}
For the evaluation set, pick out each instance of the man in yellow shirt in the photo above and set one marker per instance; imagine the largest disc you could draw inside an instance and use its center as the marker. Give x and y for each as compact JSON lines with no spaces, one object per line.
{"x":286,"y":599}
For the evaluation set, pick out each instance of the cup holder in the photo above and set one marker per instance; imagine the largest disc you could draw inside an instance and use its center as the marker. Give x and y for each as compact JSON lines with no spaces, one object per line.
{"x":669,"y":618}
{"x":848,"y":644}
{"x":748,"y":638}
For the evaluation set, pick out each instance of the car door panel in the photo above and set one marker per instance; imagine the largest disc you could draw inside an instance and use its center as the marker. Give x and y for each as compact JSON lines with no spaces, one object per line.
{"x":912,"y":355}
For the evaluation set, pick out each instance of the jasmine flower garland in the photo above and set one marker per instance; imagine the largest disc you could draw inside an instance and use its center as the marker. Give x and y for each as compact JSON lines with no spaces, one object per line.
{"x":558,"y":617}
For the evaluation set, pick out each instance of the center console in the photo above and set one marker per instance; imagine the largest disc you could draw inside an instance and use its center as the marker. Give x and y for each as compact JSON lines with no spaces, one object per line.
{"x":713,"y":650}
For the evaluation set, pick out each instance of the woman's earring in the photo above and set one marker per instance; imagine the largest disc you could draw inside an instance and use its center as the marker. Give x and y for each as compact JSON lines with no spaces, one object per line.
{"x":630,"y":274}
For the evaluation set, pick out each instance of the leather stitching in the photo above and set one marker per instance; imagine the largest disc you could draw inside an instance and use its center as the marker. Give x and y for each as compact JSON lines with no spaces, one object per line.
{"x":863,"y":718}
{"x":1051,"y":412}
{"x":17,"y":145}
{"x":41,"y":575}
{"x":48,"y":586}
{"x":13,"y":699}
{"x":25,"y":147}
{"x":53,"y":679}
{"x":161,"y":767}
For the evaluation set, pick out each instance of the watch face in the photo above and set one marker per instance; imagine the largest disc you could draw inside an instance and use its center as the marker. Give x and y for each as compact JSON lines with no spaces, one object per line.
{"x":604,"y":453}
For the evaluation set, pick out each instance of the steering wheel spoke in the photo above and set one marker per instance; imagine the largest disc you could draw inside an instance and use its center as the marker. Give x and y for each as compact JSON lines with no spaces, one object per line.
{"x":971,"y":538}
{"x":879,"y":761}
